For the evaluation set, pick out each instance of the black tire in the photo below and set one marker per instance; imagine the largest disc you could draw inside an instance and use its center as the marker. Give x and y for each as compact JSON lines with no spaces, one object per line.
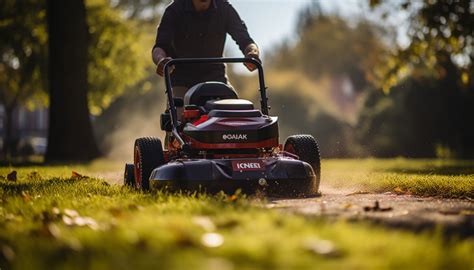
{"x":307,"y":149}
{"x":148,"y":154}
{"x":129,"y":175}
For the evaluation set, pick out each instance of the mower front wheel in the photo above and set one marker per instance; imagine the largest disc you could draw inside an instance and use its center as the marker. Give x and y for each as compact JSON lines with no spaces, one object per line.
{"x":148,"y":154}
{"x":307,"y":149}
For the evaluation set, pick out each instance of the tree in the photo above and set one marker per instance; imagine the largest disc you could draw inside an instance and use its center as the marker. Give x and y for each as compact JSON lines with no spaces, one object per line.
{"x":437,"y":28}
{"x":22,"y":60}
{"x":117,"y":54}
{"x":70,"y":133}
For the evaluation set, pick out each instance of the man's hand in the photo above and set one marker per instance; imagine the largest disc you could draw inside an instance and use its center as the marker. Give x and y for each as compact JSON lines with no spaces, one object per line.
{"x":160,"y":68}
{"x":252,"y":51}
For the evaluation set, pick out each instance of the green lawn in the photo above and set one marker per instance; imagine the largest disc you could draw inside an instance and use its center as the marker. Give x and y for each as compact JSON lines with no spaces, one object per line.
{"x":444,"y":178}
{"x":50,"y":220}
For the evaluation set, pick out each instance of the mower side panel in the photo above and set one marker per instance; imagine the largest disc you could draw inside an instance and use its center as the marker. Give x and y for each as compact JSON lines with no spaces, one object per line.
{"x":279,"y":176}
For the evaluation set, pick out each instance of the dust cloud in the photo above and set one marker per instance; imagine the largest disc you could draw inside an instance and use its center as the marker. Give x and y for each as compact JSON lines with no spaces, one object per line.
{"x":119,"y":127}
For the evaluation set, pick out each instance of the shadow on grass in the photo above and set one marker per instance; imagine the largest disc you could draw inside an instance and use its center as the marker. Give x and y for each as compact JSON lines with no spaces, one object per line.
{"x":438,"y":170}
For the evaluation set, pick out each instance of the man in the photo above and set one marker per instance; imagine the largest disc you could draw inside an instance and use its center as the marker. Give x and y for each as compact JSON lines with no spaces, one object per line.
{"x":197,"y":29}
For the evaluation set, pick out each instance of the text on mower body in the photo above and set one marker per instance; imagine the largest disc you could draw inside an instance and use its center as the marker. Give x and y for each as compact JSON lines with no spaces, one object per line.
{"x":249,"y":165}
{"x":234,"y":136}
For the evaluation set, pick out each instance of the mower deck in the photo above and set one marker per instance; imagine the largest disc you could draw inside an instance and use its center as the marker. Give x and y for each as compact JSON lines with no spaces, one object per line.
{"x":275,"y":176}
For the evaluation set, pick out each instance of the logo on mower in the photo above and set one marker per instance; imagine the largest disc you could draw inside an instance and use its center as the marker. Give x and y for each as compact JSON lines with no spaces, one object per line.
{"x":234,"y":136}
{"x":248,"y":165}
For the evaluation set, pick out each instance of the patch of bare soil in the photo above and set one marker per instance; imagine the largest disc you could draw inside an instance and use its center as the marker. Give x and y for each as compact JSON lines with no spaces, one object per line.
{"x":453,"y":216}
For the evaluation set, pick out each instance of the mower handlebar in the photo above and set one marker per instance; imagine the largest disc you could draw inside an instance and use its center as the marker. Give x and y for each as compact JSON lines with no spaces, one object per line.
{"x":218,"y":60}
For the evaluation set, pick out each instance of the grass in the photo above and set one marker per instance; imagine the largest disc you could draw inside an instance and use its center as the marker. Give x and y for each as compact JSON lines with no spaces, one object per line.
{"x":443,"y":178}
{"x":50,"y":220}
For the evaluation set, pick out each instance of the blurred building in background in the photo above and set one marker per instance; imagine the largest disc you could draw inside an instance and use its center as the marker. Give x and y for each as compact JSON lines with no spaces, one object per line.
{"x":29,"y":130}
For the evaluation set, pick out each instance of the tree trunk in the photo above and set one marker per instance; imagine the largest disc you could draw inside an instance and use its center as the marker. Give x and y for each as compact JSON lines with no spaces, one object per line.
{"x":70,"y":135}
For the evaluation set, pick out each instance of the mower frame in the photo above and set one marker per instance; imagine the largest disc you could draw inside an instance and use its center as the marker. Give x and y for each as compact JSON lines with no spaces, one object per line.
{"x":218,"y":60}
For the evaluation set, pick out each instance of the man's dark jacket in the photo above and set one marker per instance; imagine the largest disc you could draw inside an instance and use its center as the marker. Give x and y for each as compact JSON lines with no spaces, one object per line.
{"x":184,"y":33}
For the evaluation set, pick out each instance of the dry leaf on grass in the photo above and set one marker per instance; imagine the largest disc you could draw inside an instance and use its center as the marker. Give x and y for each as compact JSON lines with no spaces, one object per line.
{"x":77,"y":175}
{"x":12,"y":176}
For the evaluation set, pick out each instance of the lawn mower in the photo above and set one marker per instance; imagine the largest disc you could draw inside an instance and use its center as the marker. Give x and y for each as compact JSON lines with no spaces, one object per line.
{"x":222,"y":143}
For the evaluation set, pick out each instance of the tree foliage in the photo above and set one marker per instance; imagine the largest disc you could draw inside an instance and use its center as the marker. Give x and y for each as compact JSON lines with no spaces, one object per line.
{"x":22,"y":61}
{"x":117,"y":54}
{"x":22,"y":52}
{"x":437,"y":28}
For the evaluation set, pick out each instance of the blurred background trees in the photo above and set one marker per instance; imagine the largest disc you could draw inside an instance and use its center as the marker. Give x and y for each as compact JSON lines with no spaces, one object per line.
{"x":348,"y":81}
{"x":22,"y":62}
{"x":114,"y":60}
{"x":413,"y":101}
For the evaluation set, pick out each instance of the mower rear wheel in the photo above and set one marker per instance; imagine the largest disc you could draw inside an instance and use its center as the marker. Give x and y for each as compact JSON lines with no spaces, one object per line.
{"x":148,"y":154}
{"x":307,"y":149}
{"x":129,"y":175}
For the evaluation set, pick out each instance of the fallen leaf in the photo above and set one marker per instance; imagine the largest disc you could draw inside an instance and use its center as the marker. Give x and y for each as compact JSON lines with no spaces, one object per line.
{"x":79,"y":176}
{"x":12,"y":176}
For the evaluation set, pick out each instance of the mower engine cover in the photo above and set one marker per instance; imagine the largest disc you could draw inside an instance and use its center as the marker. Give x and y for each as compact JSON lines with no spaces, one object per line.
{"x":225,"y":129}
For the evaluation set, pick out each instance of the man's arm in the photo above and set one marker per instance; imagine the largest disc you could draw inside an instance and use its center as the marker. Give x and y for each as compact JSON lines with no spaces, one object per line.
{"x":158,"y":54}
{"x":160,"y":59}
{"x":238,"y":31}
{"x":164,"y":40}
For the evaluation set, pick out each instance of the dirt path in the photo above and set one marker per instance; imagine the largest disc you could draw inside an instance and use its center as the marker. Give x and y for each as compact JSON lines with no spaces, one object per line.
{"x":400,"y":211}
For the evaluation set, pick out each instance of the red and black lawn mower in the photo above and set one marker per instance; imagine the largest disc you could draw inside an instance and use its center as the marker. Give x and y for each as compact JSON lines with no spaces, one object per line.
{"x":224,"y":143}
